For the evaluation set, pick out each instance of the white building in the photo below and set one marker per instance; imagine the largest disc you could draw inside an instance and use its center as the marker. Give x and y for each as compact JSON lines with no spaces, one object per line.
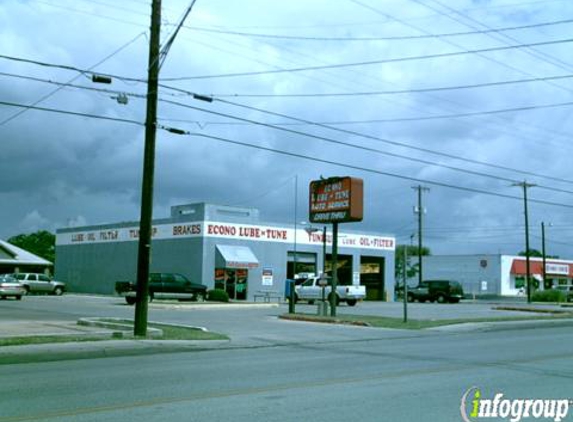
{"x":497,"y":275}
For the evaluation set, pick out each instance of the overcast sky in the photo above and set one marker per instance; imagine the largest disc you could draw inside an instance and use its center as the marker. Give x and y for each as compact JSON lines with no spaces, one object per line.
{"x":394,"y":79}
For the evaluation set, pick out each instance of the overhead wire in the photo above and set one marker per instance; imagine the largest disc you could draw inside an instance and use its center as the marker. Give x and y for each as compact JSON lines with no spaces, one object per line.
{"x":325,"y":126}
{"x":54,"y":91}
{"x":373,"y":171}
{"x":292,"y":154}
{"x":379,"y":38}
{"x":359,"y":147}
{"x":401,"y":91}
{"x":369,"y":62}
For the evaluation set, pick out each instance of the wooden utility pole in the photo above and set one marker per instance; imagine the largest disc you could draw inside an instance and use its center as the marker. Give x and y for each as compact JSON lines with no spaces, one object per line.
{"x":145,"y":227}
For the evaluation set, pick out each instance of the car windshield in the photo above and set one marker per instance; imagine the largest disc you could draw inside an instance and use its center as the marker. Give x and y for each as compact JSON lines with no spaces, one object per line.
{"x":7,"y":279}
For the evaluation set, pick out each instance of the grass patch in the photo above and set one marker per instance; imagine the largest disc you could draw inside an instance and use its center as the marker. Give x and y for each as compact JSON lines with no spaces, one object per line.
{"x":175,"y":332}
{"x":27,"y":340}
{"x":171,"y":332}
{"x":412,"y":324}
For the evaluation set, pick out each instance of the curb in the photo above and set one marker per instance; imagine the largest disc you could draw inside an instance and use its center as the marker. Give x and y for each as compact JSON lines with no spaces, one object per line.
{"x":100,"y":349}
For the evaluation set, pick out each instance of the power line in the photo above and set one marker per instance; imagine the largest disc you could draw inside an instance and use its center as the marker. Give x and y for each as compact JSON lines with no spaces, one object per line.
{"x":72,"y":113}
{"x":354,"y":146}
{"x":396,"y":143}
{"x":282,"y":152}
{"x":49,"y":94}
{"x":376,"y":138}
{"x":372,"y":62}
{"x":379,"y":38}
{"x":416,"y":118}
{"x":534,"y":52}
{"x":70,"y":85}
{"x":317,"y":124}
{"x":401,"y":91}
{"x":490,"y":59}
{"x":369,"y":170}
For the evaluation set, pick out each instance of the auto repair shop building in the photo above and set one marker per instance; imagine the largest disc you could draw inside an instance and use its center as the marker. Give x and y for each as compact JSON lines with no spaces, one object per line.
{"x":222,"y":247}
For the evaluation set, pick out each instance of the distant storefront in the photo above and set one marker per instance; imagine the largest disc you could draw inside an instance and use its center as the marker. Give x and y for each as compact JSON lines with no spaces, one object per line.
{"x":501,"y":275}
{"x":222,"y":247}
{"x":14,"y":259}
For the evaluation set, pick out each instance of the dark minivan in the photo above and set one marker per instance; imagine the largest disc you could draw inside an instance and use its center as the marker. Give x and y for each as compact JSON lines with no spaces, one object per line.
{"x":440,"y":291}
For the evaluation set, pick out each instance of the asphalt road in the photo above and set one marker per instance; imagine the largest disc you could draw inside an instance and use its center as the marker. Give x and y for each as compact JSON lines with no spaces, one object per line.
{"x":287,"y":371}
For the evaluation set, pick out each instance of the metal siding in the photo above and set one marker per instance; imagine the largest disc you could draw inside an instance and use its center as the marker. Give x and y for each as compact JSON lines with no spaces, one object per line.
{"x":467,"y":270}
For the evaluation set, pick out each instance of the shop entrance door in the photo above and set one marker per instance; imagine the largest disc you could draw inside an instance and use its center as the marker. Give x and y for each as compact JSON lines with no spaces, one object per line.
{"x":233,"y":281}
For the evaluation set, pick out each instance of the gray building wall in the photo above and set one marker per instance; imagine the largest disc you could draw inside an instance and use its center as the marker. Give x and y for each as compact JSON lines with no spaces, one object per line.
{"x":469,"y":270}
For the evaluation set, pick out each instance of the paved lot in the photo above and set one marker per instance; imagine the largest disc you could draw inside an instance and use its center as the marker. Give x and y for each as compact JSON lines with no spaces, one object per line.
{"x":244,"y":323}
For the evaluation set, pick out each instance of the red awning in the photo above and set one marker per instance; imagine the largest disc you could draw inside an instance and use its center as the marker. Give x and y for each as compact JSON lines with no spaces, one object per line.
{"x":518,"y":267}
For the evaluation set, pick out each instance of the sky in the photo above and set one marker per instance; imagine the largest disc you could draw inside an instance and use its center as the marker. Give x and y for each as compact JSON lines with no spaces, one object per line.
{"x":468,"y":98}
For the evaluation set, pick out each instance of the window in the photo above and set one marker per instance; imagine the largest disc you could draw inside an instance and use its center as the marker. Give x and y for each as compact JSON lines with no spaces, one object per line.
{"x":519,"y":282}
{"x":44,"y":278}
{"x":179,"y":278}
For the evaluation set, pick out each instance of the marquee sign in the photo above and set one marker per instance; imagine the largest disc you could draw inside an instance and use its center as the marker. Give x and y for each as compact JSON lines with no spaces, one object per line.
{"x":336,"y":200}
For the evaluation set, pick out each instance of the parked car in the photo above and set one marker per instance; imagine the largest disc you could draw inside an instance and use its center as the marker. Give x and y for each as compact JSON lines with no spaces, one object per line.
{"x":9,"y":287}
{"x":311,"y":290}
{"x":164,"y":286}
{"x":39,"y":283}
{"x":440,"y":291}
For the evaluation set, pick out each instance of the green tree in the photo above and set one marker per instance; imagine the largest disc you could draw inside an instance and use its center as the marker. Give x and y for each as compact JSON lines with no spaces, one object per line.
{"x":538,"y":254}
{"x":41,"y":243}
{"x":412,"y":266}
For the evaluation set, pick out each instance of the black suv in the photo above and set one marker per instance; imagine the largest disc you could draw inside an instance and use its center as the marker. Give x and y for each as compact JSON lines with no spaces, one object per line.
{"x":440,"y":291}
{"x":164,"y":286}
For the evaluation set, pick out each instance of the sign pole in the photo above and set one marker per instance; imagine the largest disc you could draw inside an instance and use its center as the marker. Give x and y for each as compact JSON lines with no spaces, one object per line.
{"x":405,"y":283}
{"x":334,"y":269}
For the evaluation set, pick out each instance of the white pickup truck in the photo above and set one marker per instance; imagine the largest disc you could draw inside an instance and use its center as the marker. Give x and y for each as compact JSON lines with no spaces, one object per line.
{"x":311,"y":290}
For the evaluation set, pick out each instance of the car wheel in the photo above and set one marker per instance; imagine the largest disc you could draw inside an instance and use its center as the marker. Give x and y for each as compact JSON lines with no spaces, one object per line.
{"x":18,"y":297}
{"x":26,"y":290}
{"x":351,"y":302}
{"x":311,"y":302}
{"x":130,"y":300}
{"x":58,"y":291}
{"x":441,"y":298}
{"x":150,"y":297}
{"x":410,"y":298}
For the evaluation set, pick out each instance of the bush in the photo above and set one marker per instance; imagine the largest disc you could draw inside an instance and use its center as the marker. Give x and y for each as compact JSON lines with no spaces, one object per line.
{"x":217,"y":295}
{"x":549,"y":296}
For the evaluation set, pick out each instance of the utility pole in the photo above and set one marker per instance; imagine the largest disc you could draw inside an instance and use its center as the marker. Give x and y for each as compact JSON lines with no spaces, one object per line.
{"x":420,"y":211}
{"x":543,"y":253}
{"x":524,"y":185}
{"x":292,"y":294}
{"x":145,"y":227}
{"x":405,"y":283}
{"x":333,"y":296}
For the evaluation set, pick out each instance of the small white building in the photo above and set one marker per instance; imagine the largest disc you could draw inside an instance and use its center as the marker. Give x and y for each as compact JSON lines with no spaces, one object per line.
{"x":498,"y":275}
{"x":14,"y":259}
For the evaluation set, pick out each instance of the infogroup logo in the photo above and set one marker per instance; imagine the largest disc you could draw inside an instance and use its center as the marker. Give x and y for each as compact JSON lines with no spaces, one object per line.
{"x":475,"y":407}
